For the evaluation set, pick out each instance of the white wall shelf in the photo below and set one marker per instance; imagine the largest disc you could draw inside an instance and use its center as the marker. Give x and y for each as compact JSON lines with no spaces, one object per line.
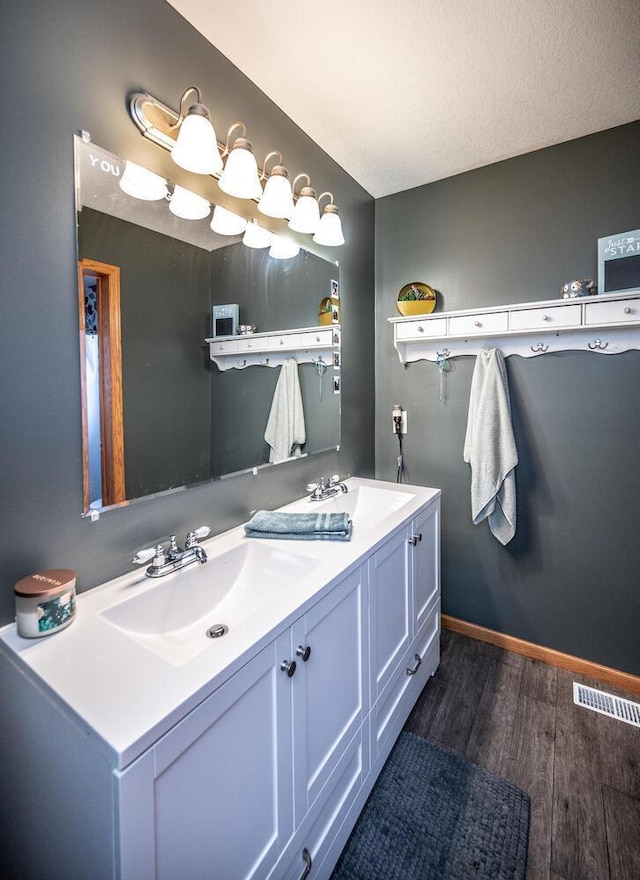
{"x":305,"y":344}
{"x":605,"y":324}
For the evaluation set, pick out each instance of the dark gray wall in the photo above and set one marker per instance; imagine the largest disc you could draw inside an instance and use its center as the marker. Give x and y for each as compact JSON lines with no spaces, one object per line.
{"x":71,"y":66}
{"x":514,"y":232}
{"x":274,"y":295}
{"x":165,"y":311}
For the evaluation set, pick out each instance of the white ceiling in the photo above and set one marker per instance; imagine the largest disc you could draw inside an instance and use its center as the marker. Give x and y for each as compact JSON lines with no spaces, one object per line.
{"x":405,"y":92}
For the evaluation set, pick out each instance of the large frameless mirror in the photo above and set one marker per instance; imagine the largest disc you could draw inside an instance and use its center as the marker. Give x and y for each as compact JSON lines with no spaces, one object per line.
{"x":158,"y":414}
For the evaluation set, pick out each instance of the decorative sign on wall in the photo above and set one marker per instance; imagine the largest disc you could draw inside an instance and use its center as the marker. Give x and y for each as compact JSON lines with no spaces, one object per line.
{"x":619,"y":262}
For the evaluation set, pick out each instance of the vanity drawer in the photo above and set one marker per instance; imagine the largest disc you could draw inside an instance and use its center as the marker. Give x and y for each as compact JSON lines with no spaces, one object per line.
{"x":422,"y":329}
{"x":555,"y":316}
{"x":317,"y":337}
{"x":619,"y":312}
{"x":251,"y":343}
{"x":286,"y":342}
{"x":230,"y":346}
{"x":474,"y":325}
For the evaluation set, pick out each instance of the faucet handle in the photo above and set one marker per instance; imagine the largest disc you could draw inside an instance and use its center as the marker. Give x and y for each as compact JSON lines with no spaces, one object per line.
{"x":311,"y":487}
{"x":154,"y":553}
{"x":334,"y":479}
{"x":197,"y":535}
{"x":143,"y":556}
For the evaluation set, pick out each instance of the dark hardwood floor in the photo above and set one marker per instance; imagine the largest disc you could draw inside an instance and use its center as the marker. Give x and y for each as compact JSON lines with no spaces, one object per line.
{"x":516,"y":717}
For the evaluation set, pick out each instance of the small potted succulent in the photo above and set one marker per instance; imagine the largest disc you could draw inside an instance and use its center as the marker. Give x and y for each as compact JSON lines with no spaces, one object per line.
{"x":416,"y":299}
{"x":325,"y":312}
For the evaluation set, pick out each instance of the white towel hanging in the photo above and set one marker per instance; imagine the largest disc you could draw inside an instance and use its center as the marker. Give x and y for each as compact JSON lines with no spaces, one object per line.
{"x":490,"y":447}
{"x":285,"y":432}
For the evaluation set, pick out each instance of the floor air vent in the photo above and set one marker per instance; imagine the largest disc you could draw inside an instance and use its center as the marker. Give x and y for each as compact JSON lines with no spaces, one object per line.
{"x":606,"y":704}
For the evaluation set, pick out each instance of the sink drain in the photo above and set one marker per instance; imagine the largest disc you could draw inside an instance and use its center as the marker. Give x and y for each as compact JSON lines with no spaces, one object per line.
{"x":217,"y":630}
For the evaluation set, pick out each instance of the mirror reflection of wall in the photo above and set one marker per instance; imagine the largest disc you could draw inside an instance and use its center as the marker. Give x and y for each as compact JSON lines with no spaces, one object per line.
{"x":184,"y":421}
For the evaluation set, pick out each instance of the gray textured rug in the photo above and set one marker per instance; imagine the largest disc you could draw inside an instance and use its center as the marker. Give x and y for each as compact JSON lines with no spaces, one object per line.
{"x":433,"y":816}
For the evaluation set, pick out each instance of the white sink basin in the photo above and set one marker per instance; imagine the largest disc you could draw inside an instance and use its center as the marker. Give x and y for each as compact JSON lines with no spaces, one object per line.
{"x":366,"y":505}
{"x":171,"y":617}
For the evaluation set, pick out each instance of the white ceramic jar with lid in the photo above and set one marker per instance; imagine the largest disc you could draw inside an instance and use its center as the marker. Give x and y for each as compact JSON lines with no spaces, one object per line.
{"x":45,"y":602}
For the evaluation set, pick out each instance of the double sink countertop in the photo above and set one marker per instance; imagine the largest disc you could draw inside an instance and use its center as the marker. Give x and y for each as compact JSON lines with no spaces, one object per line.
{"x":137,"y":658}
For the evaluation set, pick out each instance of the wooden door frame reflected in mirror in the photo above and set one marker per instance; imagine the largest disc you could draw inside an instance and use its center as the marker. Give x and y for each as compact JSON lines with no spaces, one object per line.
{"x":110,"y":381}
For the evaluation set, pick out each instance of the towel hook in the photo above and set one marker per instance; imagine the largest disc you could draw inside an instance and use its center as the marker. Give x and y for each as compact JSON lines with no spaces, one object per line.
{"x":540,"y":348}
{"x":597,"y":345}
{"x":442,"y":362}
{"x":321,"y":369}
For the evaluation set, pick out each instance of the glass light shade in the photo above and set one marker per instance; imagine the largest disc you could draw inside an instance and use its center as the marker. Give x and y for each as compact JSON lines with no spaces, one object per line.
{"x":240,"y":176}
{"x":196,"y":148}
{"x":142,"y":184}
{"x":225,"y":222}
{"x":283,"y":248}
{"x":188,"y":205}
{"x":256,"y":236}
{"x":329,"y":232}
{"x":277,"y":199}
{"x":306,"y":214}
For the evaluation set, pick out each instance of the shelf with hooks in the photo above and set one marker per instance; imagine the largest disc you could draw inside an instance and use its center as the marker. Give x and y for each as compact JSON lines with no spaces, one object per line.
{"x":605,"y":324}
{"x":305,"y":344}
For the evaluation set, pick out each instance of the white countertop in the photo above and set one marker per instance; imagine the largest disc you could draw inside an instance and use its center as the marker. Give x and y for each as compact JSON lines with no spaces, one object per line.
{"x":125,"y":695}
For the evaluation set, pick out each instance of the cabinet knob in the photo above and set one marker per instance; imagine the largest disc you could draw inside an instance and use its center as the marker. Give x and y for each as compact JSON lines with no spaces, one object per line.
{"x":306,"y":858}
{"x":304,"y":652}
{"x":289,"y":667}
{"x":627,"y":310}
{"x":477,"y":324}
{"x":414,"y":669}
{"x":413,"y":540}
{"x":282,"y":342}
{"x":420,"y":329}
{"x":546,"y":318}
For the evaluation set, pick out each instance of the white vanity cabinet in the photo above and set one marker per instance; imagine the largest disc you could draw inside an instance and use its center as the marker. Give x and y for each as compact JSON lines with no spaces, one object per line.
{"x":244,"y":768}
{"x":212,"y":799}
{"x":405,"y":624}
{"x":220,"y":795}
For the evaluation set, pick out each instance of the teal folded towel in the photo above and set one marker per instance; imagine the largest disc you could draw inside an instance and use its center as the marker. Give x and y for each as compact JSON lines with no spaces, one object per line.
{"x":299,"y":526}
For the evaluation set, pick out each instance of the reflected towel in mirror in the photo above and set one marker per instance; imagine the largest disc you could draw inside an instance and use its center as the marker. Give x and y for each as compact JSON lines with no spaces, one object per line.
{"x":285,"y":432}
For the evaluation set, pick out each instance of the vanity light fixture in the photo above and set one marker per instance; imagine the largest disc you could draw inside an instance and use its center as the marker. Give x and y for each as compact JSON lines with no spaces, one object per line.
{"x":196,"y":148}
{"x":240,"y":177}
{"x":188,"y":205}
{"x":283,"y":248}
{"x":234,"y":166}
{"x":256,"y":236}
{"x":329,"y":232}
{"x":277,"y":199}
{"x":142,"y":184}
{"x":306,"y":214}
{"x":225,"y":222}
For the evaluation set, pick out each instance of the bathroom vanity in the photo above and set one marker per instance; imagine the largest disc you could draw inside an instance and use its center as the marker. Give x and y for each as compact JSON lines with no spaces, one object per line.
{"x":142,"y":748}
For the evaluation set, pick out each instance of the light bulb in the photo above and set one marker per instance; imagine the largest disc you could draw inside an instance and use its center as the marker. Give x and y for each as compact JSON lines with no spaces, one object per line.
{"x":256,"y":236}
{"x":188,"y":205}
{"x":240,"y":176}
{"x":225,"y":222}
{"x":196,"y":148}
{"x":142,"y":184}
{"x":329,"y":232}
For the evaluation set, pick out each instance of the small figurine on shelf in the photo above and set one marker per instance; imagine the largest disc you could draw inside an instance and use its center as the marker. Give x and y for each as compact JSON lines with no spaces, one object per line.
{"x":573,"y":289}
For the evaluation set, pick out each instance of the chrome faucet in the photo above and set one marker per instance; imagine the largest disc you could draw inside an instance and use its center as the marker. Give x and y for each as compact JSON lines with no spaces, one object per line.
{"x":173,"y":558}
{"x":321,"y":489}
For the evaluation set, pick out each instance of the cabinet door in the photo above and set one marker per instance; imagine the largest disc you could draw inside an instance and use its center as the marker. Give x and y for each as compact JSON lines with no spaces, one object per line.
{"x":425,"y":563}
{"x":329,"y":694}
{"x":219,"y":786}
{"x":389,"y":610}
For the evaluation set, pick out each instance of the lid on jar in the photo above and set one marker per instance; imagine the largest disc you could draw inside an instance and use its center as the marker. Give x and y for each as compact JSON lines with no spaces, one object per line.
{"x":46,"y":583}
